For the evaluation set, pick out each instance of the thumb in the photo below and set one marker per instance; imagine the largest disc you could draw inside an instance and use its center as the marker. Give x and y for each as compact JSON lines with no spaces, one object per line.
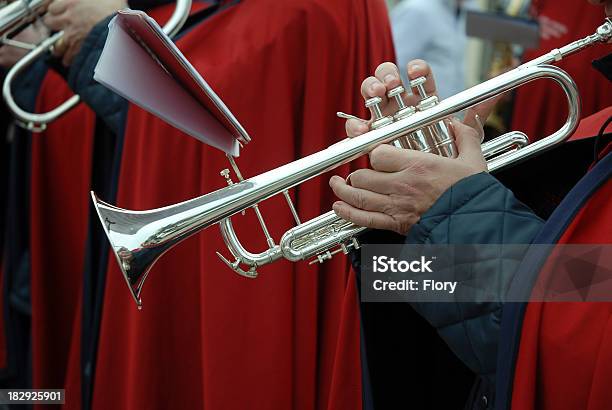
{"x":468,"y":144}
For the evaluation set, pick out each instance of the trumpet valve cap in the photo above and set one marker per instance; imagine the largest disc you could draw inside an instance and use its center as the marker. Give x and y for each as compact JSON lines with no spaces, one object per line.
{"x":417,"y":81}
{"x":379,"y":119}
{"x":419,"y":84}
{"x":395,"y":91}
{"x":397,"y":94}
{"x":374,"y":101}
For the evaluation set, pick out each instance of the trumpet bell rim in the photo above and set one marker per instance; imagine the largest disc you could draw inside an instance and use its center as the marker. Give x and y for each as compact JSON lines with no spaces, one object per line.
{"x":135,"y":286}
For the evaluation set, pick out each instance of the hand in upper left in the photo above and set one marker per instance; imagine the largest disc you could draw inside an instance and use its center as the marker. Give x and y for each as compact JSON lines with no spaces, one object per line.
{"x":76,"y":18}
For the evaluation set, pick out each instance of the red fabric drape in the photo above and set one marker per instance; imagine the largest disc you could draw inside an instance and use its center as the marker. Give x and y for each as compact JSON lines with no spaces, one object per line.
{"x":565,"y":355}
{"x":591,"y":126}
{"x":207,"y":337}
{"x":540,"y":108}
{"x":61,"y":170}
{"x":60,"y":184}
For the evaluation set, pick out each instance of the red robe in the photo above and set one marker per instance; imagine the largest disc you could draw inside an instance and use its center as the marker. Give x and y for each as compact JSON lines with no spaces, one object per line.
{"x":565,"y":355}
{"x":61,"y":171}
{"x":540,"y":108}
{"x":206,"y":337}
{"x":59,"y":188}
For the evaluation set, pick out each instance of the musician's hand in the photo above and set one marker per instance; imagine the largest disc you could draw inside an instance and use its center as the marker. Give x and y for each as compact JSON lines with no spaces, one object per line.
{"x":387,"y":77}
{"x":32,"y":34}
{"x":76,"y":18}
{"x":404,"y":184}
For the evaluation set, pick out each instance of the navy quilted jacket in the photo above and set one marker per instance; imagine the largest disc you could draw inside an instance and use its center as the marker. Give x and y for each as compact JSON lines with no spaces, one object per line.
{"x":107,"y":105}
{"x":476,"y":210}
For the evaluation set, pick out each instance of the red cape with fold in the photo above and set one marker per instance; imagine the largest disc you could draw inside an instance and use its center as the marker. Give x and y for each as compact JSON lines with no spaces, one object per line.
{"x":206,"y":337}
{"x":60,"y":185}
{"x":60,"y":180}
{"x":540,"y":108}
{"x":565,"y":355}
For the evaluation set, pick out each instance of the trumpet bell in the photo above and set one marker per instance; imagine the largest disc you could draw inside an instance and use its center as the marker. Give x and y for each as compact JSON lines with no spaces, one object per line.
{"x":134,"y":278}
{"x":123,"y":229}
{"x":139,"y":238}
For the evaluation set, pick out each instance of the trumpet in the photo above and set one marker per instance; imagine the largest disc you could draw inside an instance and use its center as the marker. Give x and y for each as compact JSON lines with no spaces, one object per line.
{"x":139,"y":238}
{"x":21,"y":12}
{"x":15,"y":15}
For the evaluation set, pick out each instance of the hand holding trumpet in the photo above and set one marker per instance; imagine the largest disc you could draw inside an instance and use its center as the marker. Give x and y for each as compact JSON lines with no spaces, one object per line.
{"x":76,"y":18}
{"x":403,"y":184}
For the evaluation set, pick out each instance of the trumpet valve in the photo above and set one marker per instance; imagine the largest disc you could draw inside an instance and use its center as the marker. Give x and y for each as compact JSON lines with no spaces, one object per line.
{"x":427,"y":101}
{"x":438,"y":137}
{"x":379,"y":119}
{"x":403,"y":110}
{"x":421,"y":142}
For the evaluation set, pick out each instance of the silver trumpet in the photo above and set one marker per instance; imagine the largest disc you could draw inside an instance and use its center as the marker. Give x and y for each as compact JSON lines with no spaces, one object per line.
{"x":140,"y":238}
{"x":19,"y":13}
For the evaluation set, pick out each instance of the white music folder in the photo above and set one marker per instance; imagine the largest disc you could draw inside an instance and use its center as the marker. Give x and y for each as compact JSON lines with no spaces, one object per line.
{"x":142,"y":64}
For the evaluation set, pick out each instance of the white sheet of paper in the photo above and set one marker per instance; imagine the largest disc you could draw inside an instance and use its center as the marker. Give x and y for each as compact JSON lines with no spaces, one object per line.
{"x":127,"y":68}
